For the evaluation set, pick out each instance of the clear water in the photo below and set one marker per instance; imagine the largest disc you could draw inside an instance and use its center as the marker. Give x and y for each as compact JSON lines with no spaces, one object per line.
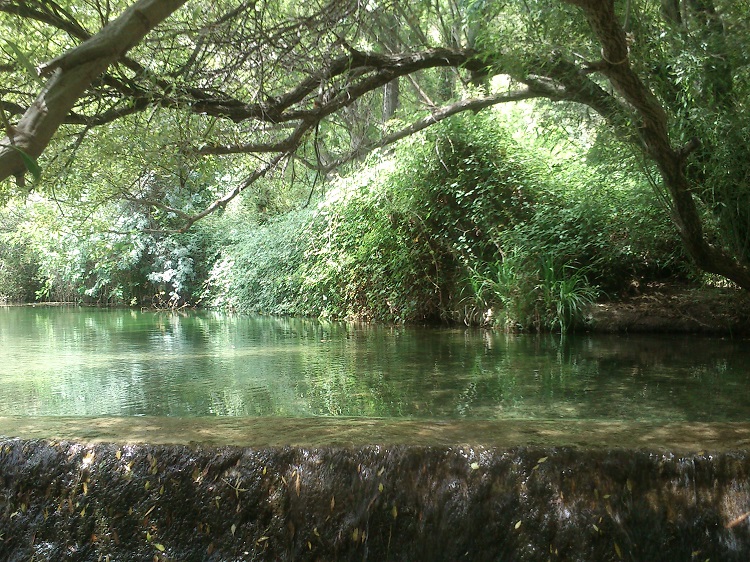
{"x":92,"y":362}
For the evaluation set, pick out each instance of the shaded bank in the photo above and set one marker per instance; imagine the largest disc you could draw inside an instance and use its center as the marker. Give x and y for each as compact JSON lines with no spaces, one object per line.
{"x":675,"y":309}
{"x":70,"y":501}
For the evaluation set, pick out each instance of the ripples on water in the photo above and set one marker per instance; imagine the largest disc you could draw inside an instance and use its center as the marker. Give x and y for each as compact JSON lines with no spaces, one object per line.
{"x":92,"y":362}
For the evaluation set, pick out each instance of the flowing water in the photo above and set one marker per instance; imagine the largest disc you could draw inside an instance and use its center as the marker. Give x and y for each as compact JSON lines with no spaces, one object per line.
{"x":582,"y":448}
{"x":112,"y":363}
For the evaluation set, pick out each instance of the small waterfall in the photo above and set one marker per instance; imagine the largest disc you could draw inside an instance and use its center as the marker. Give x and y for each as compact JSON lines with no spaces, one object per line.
{"x":71,"y":501}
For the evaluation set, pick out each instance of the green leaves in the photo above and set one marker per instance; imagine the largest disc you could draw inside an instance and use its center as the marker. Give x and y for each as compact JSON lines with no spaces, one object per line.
{"x":30,"y":162}
{"x":25,"y":62}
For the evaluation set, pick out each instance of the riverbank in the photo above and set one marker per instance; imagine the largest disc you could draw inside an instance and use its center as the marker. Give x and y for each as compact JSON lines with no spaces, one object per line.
{"x":675,"y":308}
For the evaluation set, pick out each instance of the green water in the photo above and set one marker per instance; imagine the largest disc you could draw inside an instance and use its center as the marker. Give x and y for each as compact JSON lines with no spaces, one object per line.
{"x":92,"y":362}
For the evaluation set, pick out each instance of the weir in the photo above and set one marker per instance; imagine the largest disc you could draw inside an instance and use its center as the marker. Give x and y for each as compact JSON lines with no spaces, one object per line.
{"x":608,"y":493}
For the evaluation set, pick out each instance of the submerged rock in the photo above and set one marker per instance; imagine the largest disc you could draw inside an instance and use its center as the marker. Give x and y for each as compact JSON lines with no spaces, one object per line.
{"x":72,"y":501}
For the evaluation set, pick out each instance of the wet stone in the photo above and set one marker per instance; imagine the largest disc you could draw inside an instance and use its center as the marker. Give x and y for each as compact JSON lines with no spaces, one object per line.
{"x":72,"y":501}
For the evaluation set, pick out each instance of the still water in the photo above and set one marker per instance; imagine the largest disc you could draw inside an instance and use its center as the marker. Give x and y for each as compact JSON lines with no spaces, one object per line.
{"x":93,"y":362}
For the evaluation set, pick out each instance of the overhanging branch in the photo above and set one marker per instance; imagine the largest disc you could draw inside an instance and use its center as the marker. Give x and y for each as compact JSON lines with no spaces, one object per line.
{"x":70,"y":76}
{"x":473,"y":104}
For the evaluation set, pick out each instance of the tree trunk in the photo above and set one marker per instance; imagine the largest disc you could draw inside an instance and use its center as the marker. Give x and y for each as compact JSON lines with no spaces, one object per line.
{"x":70,"y":75}
{"x":390,"y":99}
{"x":653,"y":131}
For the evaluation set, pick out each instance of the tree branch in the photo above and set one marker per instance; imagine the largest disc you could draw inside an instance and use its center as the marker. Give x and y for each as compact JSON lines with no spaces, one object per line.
{"x":474,"y":104}
{"x":72,"y":73}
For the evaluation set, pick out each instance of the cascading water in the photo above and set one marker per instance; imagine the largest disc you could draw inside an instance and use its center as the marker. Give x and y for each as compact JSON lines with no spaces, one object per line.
{"x":67,"y":501}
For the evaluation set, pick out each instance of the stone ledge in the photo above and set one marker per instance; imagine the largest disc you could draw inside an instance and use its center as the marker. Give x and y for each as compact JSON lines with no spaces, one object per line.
{"x":678,"y":437}
{"x":76,"y":502}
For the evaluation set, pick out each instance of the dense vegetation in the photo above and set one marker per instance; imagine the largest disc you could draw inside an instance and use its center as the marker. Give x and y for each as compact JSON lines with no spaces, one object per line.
{"x":459,"y":224}
{"x":285,"y":158}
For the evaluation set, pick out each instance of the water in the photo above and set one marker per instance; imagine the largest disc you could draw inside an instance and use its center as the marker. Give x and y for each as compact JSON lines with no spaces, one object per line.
{"x":114,"y":363}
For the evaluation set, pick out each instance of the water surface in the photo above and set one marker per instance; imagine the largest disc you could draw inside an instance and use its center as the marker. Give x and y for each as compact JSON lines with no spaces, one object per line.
{"x":111,"y":363}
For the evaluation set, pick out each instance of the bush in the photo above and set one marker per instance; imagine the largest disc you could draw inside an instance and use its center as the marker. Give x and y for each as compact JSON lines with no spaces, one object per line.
{"x":19,"y":275}
{"x":398,"y":245}
{"x":256,"y":270}
{"x":461,"y":225}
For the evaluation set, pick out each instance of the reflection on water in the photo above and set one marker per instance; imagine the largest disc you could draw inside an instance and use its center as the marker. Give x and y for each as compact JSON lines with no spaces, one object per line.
{"x":91,"y":362}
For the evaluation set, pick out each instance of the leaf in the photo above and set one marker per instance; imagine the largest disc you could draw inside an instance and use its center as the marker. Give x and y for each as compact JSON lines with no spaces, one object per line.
{"x":25,"y":62}
{"x":160,"y":547}
{"x":475,"y":466}
{"x":30,"y":163}
{"x":618,"y":551}
{"x":517,"y":525}
{"x":233,"y":529}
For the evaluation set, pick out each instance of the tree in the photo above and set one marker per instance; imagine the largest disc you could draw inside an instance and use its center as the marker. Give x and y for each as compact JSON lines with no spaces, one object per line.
{"x":71,"y":74}
{"x":259,"y":81}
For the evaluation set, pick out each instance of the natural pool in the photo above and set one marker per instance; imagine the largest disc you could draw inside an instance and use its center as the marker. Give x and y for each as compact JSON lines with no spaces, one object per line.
{"x":404,"y":444}
{"x":113,"y":363}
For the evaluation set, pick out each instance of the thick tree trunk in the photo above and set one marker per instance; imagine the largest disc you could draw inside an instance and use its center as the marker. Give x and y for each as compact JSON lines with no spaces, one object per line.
{"x":71,"y":74}
{"x":653,"y":131}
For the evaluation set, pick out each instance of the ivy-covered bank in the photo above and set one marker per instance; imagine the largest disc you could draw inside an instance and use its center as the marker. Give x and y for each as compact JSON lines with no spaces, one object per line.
{"x":70,"y":501}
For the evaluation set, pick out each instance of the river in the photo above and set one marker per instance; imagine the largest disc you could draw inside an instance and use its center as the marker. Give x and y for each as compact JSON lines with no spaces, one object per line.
{"x":59,"y":361}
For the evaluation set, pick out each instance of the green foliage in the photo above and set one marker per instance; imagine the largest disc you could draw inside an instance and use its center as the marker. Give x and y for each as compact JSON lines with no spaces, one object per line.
{"x":533,"y":295}
{"x":256,"y":270}
{"x":19,"y":275}
{"x":462,"y":224}
{"x":397,"y":248}
{"x":106,"y":259}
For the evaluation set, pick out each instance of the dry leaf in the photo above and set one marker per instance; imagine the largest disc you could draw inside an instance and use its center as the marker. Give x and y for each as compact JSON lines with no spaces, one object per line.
{"x":737,"y":520}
